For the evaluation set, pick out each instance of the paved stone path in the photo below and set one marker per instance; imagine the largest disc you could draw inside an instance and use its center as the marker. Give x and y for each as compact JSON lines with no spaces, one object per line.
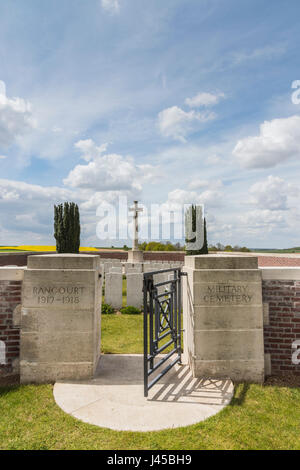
{"x":114,"y":398}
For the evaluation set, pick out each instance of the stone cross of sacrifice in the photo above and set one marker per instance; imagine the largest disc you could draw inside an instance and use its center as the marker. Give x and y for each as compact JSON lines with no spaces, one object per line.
{"x":136,"y":211}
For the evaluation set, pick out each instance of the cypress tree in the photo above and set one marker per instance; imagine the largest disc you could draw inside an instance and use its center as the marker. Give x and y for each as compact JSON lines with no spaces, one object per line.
{"x":67,"y":228}
{"x":204,"y":248}
{"x":66,"y":225}
{"x":76,"y":229}
{"x":58,"y":228}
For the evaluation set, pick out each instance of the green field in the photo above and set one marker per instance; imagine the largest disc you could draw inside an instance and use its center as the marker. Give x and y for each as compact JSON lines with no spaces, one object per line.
{"x":276,"y":250}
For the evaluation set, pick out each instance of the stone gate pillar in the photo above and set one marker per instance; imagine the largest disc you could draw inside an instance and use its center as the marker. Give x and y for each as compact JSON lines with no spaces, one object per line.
{"x":223,"y":317}
{"x":60,"y":318}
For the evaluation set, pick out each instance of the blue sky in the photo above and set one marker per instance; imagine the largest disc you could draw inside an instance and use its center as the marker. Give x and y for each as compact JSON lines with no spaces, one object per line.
{"x":173,"y":102}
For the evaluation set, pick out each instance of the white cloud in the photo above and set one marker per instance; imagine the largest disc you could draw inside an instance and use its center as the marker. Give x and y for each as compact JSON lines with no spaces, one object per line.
{"x":89,"y":149}
{"x":112,"y":6}
{"x":176,"y":123}
{"x":27,"y":211}
{"x":266,"y":53}
{"x":209,"y":197}
{"x":92,"y":200}
{"x":201,"y":184}
{"x":272,"y":193}
{"x":204,"y":99}
{"x":213,"y":160}
{"x":109,"y":172}
{"x":277,"y":141}
{"x":176,"y":204}
{"x":15,"y":117}
{"x":12,"y":191}
{"x":261,"y":219}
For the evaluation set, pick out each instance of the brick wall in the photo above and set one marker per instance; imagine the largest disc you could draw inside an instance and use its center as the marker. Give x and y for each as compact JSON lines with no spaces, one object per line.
{"x":10,"y":298}
{"x":283,"y":328}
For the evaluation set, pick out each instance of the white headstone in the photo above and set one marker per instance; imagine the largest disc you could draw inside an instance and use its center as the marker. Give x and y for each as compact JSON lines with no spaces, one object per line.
{"x":135,"y":289}
{"x":107,"y":266}
{"x":116,"y":263}
{"x":113,"y":289}
{"x":132,"y":271}
{"x":138,"y":267}
{"x":115,"y":269}
{"x":148,"y":267}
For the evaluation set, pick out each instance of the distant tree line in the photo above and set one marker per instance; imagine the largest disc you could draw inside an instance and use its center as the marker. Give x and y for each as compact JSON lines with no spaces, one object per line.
{"x":160,"y":246}
{"x":220,"y":247}
{"x":168,"y":246}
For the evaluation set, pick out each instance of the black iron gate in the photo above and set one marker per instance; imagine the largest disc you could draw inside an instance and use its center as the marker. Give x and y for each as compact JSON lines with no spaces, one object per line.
{"x":162,"y":324}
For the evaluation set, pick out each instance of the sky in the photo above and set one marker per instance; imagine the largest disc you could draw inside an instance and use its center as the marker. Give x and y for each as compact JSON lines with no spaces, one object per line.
{"x":168,"y":103}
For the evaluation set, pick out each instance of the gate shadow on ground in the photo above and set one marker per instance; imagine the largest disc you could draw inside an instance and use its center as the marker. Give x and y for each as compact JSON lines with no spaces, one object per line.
{"x":182,"y":387}
{"x":177,"y":386}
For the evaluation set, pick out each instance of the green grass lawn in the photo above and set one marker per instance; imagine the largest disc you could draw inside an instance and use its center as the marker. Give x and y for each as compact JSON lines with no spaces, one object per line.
{"x":121,"y":334}
{"x":259,"y":417}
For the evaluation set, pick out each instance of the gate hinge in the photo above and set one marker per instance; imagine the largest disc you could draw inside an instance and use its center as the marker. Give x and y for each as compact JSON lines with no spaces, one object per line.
{"x":183,"y":273}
